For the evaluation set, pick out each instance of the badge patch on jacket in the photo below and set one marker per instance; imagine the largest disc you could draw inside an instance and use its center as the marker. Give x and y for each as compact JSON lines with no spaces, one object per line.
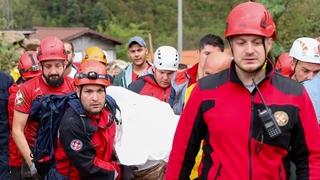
{"x":76,"y":145}
{"x":281,"y":117}
{"x":19,"y":98}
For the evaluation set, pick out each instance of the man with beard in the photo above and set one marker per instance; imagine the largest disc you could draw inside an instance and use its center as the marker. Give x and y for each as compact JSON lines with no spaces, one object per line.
{"x":70,"y":68}
{"x":250,"y":117}
{"x":87,"y":133}
{"x":52,"y":56}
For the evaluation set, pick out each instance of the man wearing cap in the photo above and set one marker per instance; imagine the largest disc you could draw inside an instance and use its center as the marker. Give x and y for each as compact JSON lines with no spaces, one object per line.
{"x":52,"y":57}
{"x":137,"y":53}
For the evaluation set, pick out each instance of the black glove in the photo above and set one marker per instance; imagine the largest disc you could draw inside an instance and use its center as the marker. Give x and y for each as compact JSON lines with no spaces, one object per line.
{"x":127,"y":172}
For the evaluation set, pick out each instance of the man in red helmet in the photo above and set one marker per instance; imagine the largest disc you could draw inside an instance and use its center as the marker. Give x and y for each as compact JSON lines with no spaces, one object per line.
{"x":85,"y":144}
{"x":52,"y":57}
{"x":250,"y":118}
{"x":29,"y":67}
{"x":283,"y":64}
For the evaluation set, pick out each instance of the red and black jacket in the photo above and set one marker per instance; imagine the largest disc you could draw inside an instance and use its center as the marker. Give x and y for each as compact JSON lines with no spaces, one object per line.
{"x":222,"y":112}
{"x":85,"y":147}
{"x":147,"y":85}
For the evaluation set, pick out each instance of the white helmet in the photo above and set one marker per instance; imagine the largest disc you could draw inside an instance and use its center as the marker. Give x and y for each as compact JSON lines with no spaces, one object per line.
{"x":305,"y":49}
{"x":166,"y":58}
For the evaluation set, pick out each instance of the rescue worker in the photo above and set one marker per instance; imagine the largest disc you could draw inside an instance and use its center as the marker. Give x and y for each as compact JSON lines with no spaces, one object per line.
{"x":305,"y":66}
{"x":52,"y":57}
{"x":85,"y":144}
{"x":306,"y":59}
{"x":159,"y":84}
{"x":29,"y":68}
{"x":95,"y":53}
{"x":216,"y":62}
{"x":208,"y":44}
{"x":283,"y":64}
{"x":249,"y":117}
{"x":70,"y":68}
{"x":137,"y":53}
{"x":5,"y":82}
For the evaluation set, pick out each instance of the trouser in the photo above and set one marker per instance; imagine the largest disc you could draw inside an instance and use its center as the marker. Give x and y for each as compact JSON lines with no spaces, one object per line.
{"x":156,"y":172}
{"x":15,"y":173}
{"x":53,"y":174}
{"x":25,"y":173}
{"x":293,"y":168}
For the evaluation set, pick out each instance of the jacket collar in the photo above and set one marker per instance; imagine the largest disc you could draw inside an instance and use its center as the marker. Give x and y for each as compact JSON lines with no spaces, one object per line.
{"x":234,"y":77}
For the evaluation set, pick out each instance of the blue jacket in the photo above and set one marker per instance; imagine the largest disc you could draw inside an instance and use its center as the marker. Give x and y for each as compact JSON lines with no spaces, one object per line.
{"x":5,"y":82}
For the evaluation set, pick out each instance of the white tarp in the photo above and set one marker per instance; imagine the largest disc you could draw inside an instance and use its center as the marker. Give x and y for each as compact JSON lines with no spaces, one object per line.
{"x":147,"y":129}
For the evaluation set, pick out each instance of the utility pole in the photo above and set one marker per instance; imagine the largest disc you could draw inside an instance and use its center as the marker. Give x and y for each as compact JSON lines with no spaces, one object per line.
{"x":7,"y":11}
{"x":150,"y":46}
{"x":180,"y":26}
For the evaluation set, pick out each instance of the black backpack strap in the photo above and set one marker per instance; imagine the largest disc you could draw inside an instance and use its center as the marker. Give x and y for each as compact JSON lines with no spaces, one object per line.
{"x":112,"y":105}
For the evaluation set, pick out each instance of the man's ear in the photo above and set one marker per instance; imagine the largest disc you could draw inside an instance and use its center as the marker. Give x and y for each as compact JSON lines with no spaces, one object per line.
{"x":268,"y":43}
{"x":293,"y":64}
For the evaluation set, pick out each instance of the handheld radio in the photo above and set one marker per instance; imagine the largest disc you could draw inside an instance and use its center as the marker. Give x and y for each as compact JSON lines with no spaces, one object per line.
{"x":267,"y":118}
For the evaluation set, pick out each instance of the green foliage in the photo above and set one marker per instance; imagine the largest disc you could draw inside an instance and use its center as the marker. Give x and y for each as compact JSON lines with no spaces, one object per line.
{"x":115,"y":29}
{"x":123,"y":19}
{"x":8,"y":56}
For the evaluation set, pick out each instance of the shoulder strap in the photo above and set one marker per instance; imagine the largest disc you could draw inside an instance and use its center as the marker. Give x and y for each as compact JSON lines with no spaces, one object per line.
{"x":112,"y":105}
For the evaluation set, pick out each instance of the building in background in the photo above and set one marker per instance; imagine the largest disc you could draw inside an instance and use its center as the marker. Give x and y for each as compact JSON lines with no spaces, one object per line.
{"x":81,"y":37}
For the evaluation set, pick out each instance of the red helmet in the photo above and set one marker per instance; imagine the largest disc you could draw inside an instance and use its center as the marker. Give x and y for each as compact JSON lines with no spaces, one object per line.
{"x":51,"y":48}
{"x":92,"y":72}
{"x":283,"y":64}
{"x":28,"y":65}
{"x":250,"y":18}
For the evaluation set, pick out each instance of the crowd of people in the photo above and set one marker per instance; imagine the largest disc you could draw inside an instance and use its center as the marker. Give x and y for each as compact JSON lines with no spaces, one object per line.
{"x":242,"y":115}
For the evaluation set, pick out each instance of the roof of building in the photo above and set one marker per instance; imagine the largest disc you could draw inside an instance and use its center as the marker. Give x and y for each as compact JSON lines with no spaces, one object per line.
{"x":69,"y":33}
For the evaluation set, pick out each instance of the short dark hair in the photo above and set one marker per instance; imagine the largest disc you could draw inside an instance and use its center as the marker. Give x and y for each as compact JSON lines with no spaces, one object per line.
{"x":213,"y":40}
{"x":71,"y":44}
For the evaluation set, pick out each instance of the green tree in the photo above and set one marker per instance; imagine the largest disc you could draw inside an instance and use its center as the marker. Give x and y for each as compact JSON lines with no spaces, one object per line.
{"x":8,"y":56}
{"x":121,"y":31}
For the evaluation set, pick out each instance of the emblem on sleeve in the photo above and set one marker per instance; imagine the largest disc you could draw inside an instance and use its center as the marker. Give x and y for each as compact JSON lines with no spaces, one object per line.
{"x":76,"y":145}
{"x":19,"y":98}
{"x":281,"y":117}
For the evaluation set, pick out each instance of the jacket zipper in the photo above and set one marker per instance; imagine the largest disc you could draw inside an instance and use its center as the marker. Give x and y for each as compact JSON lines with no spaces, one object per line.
{"x":249,"y":138}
